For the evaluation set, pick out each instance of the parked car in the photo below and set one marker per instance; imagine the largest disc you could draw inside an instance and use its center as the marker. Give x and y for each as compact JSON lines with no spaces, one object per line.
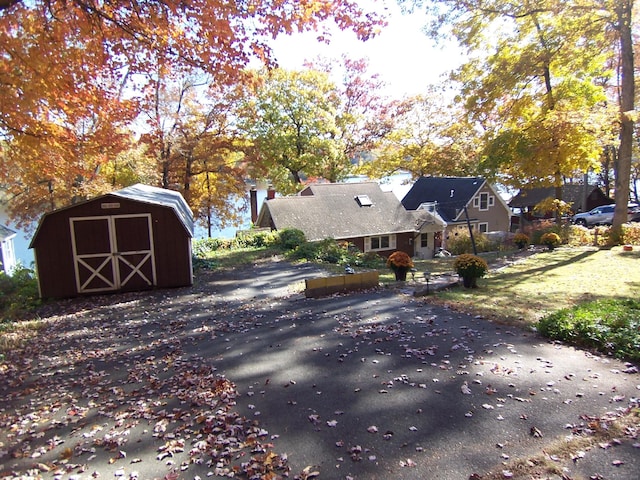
{"x":603,"y":215}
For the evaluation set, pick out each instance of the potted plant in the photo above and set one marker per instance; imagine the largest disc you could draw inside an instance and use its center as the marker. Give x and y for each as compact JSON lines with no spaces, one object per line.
{"x":470,"y":268}
{"x":521,"y":240}
{"x":550,"y":239}
{"x":400,"y":263}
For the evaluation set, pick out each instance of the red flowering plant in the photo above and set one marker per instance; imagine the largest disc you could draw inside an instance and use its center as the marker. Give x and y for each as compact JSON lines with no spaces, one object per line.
{"x":399,"y":260}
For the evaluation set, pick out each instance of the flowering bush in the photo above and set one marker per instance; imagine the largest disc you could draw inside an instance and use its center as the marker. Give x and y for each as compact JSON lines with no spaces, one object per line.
{"x":550,"y":239}
{"x":460,"y":242}
{"x":521,"y":240}
{"x":470,"y":266}
{"x":631,"y":233}
{"x":399,"y":259}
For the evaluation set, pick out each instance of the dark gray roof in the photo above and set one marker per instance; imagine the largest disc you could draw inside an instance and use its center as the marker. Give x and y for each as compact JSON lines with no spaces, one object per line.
{"x":333,"y":210}
{"x":160,"y":196}
{"x":452,"y":194}
{"x":571,"y":193}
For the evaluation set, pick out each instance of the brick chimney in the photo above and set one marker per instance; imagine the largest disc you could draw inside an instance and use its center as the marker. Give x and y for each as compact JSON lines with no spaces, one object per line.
{"x":271,"y":192}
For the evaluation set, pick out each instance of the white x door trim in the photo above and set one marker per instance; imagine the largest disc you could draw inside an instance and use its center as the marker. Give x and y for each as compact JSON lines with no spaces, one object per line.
{"x":100,"y":263}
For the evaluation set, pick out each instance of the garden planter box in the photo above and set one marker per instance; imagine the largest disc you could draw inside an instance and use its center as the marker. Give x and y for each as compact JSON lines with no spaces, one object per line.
{"x":320,"y":287}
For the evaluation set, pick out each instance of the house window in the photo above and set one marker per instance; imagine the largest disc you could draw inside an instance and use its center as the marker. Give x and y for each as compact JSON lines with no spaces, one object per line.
{"x":424,"y":240}
{"x":483,"y":201}
{"x":380,"y":242}
{"x":483,"y":227}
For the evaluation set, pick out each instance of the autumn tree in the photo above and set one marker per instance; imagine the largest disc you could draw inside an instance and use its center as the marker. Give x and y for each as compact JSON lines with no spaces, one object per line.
{"x":133,"y":165}
{"x":430,"y":137}
{"x":365,"y":115}
{"x":209,"y":158}
{"x":190,"y":125}
{"x":72,"y":74}
{"x":291,"y":121}
{"x":536,"y":91}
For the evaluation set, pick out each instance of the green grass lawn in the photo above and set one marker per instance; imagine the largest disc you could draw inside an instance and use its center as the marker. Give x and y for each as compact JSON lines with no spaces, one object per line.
{"x":529,"y":289}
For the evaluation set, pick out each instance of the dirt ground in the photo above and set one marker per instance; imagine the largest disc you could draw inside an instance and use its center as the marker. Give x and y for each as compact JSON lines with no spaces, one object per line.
{"x":242,"y":376}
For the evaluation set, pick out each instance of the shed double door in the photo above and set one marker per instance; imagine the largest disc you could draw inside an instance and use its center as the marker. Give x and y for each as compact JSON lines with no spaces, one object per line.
{"x":113,"y":252}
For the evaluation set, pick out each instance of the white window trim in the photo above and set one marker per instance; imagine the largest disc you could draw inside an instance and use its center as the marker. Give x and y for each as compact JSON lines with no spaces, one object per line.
{"x":485,"y":224}
{"x":424,"y":235}
{"x":367,"y":243}
{"x":489,"y":201}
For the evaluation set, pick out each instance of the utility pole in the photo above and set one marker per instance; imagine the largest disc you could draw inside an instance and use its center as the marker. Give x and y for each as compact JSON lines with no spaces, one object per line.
{"x":473,"y":240}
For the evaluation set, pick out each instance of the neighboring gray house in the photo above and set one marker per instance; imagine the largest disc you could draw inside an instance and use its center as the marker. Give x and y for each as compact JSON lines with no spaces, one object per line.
{"x":459,"y":201}
{"x":360,"y":213}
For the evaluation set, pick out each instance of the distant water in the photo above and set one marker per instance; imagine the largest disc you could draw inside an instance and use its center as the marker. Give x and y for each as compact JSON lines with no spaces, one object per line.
{"x":230,"y":232}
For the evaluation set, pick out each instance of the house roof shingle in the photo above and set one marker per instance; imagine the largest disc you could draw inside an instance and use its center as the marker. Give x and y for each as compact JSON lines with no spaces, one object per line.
{"x":452,"y":194}
{"x":333,"y":211}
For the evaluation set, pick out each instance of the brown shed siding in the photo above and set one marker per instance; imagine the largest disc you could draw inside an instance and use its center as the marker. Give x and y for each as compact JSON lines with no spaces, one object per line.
{"x":163,"y":254}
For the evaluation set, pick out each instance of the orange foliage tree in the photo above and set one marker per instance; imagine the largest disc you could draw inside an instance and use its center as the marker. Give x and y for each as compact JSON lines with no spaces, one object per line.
{"x":73,"y":72}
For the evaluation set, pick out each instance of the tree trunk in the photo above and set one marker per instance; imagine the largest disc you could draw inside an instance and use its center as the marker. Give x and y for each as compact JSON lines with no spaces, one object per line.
{"x":627,"y":94}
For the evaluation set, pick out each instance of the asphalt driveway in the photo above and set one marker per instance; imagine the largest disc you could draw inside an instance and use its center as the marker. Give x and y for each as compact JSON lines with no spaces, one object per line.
{"x":242,"y":376}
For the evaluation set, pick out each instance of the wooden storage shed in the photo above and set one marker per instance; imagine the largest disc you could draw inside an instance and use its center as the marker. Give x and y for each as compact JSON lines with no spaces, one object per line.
{"x":137,"y":238}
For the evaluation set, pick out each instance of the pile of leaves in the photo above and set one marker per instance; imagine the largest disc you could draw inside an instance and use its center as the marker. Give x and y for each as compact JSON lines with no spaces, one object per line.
{"x":609,"y":326}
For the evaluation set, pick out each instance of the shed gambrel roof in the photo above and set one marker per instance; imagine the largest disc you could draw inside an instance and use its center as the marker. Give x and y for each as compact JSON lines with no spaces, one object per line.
{"x":140,"y":193}
{"x":452,"y":194}
{"x":160,"y":196}
{"x":333,"y":210}
{"x":571,"y":193}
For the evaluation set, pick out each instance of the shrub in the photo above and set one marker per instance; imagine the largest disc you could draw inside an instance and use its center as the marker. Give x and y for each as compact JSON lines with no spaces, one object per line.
{"x":19,"y":294}
{"x":541,"y":227}
{"x":330,"y":251}
{"x":291,"y":238}
{"x":550,"y":239}
{"x":631,"y":233}
{"x":579,"y":236}
{"x":470,"y":266}
{"x":369,"y":260}
{"x":521,"y":240}
{"x":327,"y":250}
{"x":460,"y":243}
{"x":204,"y":247}
{"x":309,"y":251}
{"x":610,"y":326}
{"x":256,"y":239}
